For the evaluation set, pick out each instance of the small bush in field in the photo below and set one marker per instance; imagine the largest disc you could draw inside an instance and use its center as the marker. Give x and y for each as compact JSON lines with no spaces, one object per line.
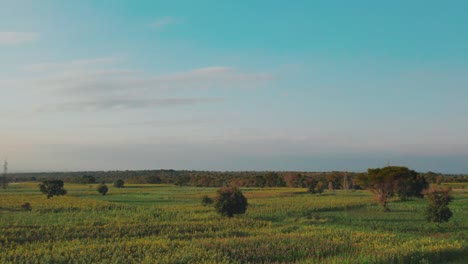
{"x":119,"y":183}
{"x":206,"y":200}
{"x":26,"y":206}
{"x":102,"y":189}
{"x":230,"y":201}
{"x":316,"y":187}
{"x":437,"y":210}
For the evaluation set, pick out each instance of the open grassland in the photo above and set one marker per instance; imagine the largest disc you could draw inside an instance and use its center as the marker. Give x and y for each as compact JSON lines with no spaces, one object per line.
{"x":168,"y":224}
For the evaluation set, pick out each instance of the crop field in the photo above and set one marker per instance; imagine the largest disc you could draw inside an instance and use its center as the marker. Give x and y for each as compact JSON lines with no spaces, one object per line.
{"x":168,"y":224}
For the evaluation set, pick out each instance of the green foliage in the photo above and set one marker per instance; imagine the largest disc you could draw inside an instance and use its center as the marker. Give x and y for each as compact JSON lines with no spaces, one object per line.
{"x":316,"y":187}
{"x":153,"y":179}
{"x":272,"y":179}
{"x":230,"y":201}
{"x":52,"y":188}
{"x":437,"y":211}
{"x":410,"y":184}
{"x":206,"y":200}
{"x":102,"y":189}
{"x":388,"y":181}
{"x":119,"y":183}
{"x":88,"y":179}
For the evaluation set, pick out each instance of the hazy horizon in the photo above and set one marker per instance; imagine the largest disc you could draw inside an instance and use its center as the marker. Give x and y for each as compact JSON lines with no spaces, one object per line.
{"x":245,"y":85}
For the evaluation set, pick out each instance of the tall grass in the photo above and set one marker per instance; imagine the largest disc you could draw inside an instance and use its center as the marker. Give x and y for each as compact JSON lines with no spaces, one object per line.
{"x":167,"y":224}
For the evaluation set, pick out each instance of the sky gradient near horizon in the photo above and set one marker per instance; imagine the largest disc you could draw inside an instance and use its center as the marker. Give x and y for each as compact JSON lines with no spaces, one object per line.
{"x":234,"y":85}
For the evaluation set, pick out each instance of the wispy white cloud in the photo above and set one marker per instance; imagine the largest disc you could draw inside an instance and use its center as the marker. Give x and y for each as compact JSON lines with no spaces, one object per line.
{"x":124,"y":104}
{"x":163,"y":22}
{"x":74,"y":64}
{"x":157,"y":123}
{"x":100,"y":85}
{"x":12,"y":38}
{"x":102,"y":76}
{"x":214,"y":73}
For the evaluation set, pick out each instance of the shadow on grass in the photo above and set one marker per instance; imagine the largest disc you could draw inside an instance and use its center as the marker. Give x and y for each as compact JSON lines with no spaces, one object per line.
{"x":443,"y":256}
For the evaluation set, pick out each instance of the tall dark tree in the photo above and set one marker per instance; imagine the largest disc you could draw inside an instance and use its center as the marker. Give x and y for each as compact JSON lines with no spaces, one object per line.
{"x":52,"y":188}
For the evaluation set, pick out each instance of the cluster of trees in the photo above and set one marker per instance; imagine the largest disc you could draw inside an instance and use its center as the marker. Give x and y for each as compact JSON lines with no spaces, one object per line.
{"x":332,"y":180}
{"x":56,"y":187}
{"x":404,"y":183}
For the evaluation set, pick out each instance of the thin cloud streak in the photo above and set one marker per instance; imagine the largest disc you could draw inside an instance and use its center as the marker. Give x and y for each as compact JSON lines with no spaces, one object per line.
{"x":74,"y":64}
{"x":157,"y":123}
{"x":163,"y":22}
{"x":125,"y":104}
{"x":13,"y":38}
{"x":100,"y":76}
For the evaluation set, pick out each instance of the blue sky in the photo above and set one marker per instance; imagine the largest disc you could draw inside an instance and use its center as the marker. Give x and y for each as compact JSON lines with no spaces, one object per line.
{"x":234,"y":85}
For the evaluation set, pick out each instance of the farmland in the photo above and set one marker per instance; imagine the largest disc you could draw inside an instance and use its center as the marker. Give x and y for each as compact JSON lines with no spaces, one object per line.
{"x":150,"y":223}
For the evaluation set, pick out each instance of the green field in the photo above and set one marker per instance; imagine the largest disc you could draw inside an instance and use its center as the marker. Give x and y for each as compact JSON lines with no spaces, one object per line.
{"x":168,"y":224}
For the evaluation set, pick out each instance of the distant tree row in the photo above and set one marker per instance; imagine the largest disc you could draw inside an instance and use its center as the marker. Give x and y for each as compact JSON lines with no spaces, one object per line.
{"x":332,"y":180}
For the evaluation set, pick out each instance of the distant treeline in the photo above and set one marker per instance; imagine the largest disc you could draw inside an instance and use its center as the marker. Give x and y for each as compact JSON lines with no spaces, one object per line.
{"x":334,"y":179}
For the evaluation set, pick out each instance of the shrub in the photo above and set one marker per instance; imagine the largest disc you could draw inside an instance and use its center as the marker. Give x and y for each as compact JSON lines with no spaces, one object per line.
{"x":52,"y":188}
{"x":119,"y":183}
{"x":437,"y":210}
{"x":26,"y":206}
{"x":316,"y":187}
{"x":230,"y":201}
{"x":206,"y":200}
{"x":102,"y":189}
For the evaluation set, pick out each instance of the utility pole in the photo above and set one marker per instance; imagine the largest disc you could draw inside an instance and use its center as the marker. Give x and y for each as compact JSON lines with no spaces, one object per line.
{"x":5,"y":171}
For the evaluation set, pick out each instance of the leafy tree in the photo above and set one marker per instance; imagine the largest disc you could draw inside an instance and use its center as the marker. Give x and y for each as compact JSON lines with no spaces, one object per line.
{"x":230,"y":201}
{"x":388,"y":181}
{"x":292,"y":179}
{"x":381,"y":183}
{"x":206,"y":200}
{"x":52,"y":188}
{"x":334,"y":179}
{"x":316,"y":187}
{"x":88,"y":179}
{"x":153,"y":179}
{"x":272,"y":179}
{"x":410,"y":184}
{"x":119,"y":183}
{"x":102,"y":189}
{"x":437,"y":210}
